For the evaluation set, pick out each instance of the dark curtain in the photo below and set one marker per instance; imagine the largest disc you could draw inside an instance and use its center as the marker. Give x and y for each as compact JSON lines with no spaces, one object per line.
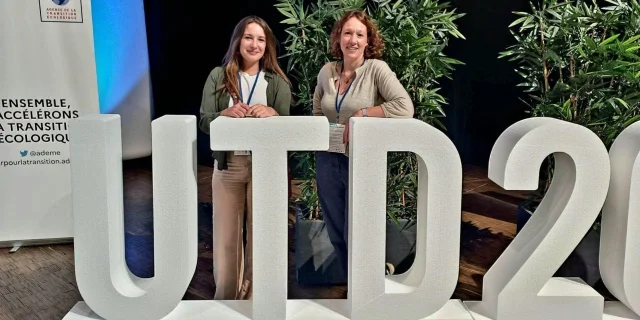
{"x":483,"y":95}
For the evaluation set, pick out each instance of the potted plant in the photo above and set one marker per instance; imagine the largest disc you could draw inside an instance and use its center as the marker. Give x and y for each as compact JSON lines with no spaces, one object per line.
{"x":415,"y":33}
{"x":579,"y":63}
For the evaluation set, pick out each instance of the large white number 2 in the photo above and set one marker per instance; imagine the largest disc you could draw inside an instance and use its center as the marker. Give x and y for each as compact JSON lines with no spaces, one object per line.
{"x":619,"y":240}
{"x":520,"y":285}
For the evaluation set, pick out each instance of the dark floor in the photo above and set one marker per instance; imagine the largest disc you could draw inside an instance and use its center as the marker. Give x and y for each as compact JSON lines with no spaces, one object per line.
{"x":38,"y":282}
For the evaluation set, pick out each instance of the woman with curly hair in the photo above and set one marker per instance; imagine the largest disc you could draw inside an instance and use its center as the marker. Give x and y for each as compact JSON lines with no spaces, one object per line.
{"x":357,"y":85}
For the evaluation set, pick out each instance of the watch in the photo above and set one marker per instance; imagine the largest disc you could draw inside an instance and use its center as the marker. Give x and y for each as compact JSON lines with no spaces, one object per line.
{"x":364,"y":112}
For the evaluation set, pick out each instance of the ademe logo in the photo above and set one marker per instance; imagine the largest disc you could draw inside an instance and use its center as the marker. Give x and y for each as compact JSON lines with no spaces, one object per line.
{"x":69,"y":11}
{"x":36,"y":157}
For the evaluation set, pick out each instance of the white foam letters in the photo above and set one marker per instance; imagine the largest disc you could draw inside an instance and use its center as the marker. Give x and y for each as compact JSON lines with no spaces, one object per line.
{"x":104,"y":280}
{"x":620,"y":238}
{"x":520,"y":285}
{"x":269,"y":140}
{"x":424,"y":289}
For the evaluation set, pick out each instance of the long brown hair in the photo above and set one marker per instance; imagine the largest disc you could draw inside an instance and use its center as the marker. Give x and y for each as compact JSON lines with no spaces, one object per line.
{"x":233,"y":60}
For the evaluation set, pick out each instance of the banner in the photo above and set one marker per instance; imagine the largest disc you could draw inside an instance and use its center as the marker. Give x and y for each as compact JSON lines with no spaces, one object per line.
{"x":47,"y":76}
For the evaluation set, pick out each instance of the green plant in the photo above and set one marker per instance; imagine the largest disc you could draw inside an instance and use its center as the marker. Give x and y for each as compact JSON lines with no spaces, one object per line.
{"x":307,"y":51}
{"x":415,"y":33}
{"x":580,"y":63}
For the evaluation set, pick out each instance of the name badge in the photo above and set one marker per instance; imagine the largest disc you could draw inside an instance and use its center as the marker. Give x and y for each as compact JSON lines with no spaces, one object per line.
{"x":336,"y":134}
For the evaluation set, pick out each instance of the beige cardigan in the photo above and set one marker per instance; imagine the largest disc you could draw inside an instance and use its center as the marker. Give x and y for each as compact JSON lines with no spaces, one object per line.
{"x":375,"y":85}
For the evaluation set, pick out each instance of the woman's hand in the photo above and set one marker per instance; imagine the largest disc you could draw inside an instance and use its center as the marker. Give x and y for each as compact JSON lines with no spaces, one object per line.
{"x":238,"y":110}
{"x":262,"y":111}
{"x":375,"y":112}
{"x":345,"y":136}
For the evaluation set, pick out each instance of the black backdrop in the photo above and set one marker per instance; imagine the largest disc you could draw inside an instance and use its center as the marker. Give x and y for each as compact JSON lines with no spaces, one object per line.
{"x":187,"y":39}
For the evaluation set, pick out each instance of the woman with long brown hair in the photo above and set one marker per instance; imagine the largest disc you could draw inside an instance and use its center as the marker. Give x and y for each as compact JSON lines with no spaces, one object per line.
{"x":250,"y":83}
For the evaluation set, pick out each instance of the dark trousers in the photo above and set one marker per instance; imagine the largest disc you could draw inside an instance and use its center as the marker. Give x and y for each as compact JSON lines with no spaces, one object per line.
{"x":332,"y":177}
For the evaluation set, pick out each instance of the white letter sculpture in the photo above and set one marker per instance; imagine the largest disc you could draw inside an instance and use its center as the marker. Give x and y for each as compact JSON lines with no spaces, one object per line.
{"x":107,"y":286}
{"x":620,"y":238}
{"x":112,"y":292}
{"x":269,"y":140}
{"x":520,"y":285}
{"x":423,"y":292}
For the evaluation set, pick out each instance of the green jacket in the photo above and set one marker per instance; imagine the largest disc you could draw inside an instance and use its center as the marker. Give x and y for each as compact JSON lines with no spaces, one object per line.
{"x":214,"y":100}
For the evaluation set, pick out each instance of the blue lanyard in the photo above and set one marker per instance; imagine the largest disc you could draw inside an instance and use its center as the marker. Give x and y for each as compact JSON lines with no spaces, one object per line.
{"x":254,"y":86}
{"x":339,"y":105}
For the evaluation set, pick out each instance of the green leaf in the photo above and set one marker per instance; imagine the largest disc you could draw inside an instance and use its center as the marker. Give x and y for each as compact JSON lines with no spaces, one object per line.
{"x":289,"y":21}
{"x":450,"y":60}
{"x":582,"y":54}
{"x":397,"y":4}
{"x":622,"y":102}
{"x":555,"y":14}
{"x":551,"y":54}
{"x":613,"y":2}
{"x":439,"y":124}
{"x":609,"y":40}
{"x":630,"y":40}
{"x":286,"y":12}
{"x":630,"y":121}
{"x":517,"y":22}
{"x":615,"y":107}
{"x":527,"y":23}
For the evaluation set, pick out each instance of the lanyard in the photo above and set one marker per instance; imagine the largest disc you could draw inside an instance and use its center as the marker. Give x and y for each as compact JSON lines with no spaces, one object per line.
{"x":339,"y":105}
{"x":254,"y":86}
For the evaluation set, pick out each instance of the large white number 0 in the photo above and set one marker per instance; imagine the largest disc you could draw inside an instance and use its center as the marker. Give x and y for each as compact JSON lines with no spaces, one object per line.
{"x":520,"y":285}
{"x":620,"y":240}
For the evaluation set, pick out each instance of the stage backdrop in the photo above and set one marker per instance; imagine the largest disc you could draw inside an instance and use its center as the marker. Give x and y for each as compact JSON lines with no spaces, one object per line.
{"x":122,"y":65}
{"x":47,"y":76}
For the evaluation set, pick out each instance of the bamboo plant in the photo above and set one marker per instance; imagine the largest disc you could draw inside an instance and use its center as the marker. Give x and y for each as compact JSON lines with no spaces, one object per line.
{"x":579,"y":62}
